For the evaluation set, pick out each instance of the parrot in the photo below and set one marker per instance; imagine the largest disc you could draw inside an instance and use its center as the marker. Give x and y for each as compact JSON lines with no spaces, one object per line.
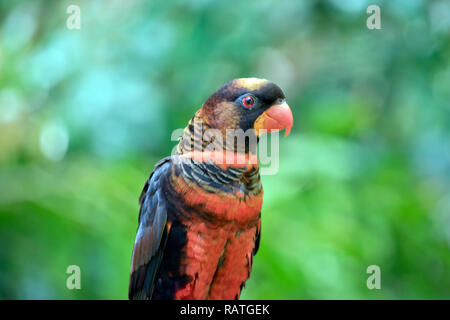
{"x":199,"y":223}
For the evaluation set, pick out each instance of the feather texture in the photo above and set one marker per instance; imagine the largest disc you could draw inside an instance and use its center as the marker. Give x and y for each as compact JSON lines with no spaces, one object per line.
{"x":200,"y":217}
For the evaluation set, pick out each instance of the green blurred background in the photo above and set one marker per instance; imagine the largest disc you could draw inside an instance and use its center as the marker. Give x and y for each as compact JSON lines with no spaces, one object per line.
{"x":364,"y":177}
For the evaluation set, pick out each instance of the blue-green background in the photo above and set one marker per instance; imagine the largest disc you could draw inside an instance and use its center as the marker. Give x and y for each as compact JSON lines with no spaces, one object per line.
{"x":364,"y":177}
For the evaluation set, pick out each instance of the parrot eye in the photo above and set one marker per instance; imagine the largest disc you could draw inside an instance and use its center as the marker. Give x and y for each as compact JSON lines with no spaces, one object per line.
{"x":248,"y":101}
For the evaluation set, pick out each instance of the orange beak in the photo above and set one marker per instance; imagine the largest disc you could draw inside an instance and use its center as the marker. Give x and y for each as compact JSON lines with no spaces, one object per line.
{"x":277,"y":117}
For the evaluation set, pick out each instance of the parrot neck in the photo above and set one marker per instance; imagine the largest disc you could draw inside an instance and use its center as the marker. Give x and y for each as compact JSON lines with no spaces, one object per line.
{"x":199,"y":136}
{"x":204,"y":170}
{"x":210,"y":163}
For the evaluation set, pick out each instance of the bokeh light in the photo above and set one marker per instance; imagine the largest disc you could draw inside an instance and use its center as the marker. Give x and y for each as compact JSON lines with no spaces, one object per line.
{"x":364,"y":177}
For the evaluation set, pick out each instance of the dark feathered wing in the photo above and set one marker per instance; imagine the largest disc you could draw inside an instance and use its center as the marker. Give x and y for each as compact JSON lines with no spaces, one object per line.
{"x":152,"y":234}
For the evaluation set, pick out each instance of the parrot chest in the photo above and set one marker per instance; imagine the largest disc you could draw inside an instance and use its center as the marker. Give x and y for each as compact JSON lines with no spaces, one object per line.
{"x":238,"y":201}
{"x":221,"y":222}
{"x":217,"y":259}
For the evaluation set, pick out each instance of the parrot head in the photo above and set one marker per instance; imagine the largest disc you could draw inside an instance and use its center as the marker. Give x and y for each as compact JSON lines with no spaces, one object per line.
{"x":248,"y":103}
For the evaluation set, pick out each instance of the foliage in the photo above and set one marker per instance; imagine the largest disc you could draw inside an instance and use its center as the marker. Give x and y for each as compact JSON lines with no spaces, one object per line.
{"x":364,"y":178}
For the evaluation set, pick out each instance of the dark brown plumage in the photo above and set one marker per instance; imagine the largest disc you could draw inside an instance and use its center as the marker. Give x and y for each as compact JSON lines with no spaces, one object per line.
{"x":199,"y":221}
